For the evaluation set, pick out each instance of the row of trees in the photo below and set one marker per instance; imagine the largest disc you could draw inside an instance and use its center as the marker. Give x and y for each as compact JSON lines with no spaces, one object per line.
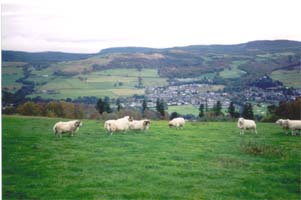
{"x":51,"y":109}
{"x":216,"y":111}
{"x":285,"y":110}
{"x":103,"y":106}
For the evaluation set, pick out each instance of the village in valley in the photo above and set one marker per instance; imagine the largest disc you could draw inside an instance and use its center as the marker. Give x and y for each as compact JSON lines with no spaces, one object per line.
{"x":197,"y":94}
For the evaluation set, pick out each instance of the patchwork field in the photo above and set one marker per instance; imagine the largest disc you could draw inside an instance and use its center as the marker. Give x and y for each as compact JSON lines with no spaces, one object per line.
{"x":10,"y":73}
{"x":290,"y":78}
{"x":202,"y":161}
{"x":112,"y":83}
{"x":184,"y":109}
{"x":233,"y":71}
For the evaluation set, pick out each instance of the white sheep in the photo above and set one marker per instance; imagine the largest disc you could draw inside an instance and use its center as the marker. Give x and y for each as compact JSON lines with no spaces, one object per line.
{"x":121,"y":124}
{"x":142,"y":125}
{"x":283,"y":124}
{"x":245,"y":124}
{"x":293,"y":125}
{"x":70,"y":127}
{"x":178,"y":122}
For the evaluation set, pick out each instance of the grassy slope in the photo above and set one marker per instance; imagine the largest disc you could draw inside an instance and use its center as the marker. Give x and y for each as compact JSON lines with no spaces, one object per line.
{"x":234,"y":71}
{"x":289,"y":78}
{"x":11,"y":73}
{"x":184,"y":109}
{"x":98,"y":83}
{"x":202,"y":161}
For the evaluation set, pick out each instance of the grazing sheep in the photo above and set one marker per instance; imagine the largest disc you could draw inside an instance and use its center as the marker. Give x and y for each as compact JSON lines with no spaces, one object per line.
{"x":142,"y":125}
{"x":283,"y":124}
{"x":121,"y":124}
{"x":70,"y":127}
{"x":178,"y":122}
{"x":293,"y":125}
{"x":244,"y":124}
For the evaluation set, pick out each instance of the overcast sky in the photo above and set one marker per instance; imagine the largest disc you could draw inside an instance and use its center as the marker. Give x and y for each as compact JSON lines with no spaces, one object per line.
{"x":88,"y":28}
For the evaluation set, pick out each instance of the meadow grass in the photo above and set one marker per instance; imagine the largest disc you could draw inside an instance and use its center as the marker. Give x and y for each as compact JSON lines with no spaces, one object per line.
{"x":184,"y":109}
{"x":100,"y":83}
{"x":11,"y":73}
{"x":290,"y":78}
{"x":203,"y":161}
{"x":233,"y":71}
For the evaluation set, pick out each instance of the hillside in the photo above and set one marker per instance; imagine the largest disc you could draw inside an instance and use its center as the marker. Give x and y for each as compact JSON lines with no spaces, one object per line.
{"x":202,"y":161}
{"x":62,"y":75}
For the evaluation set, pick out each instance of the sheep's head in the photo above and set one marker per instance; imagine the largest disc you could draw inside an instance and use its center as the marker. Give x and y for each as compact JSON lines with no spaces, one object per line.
{"x":78,"y":123}
{"x":240,"y":122}
{"x":130,"y":119}
{"x":279,"y":121}
{"x":285,"y":123}
{"x":146,"y":122}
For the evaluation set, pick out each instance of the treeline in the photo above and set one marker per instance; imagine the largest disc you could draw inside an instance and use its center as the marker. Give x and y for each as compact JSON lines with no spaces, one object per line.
{"x":105,"y":109}
{"x":52,"y":109}
{"x":285,"y":110}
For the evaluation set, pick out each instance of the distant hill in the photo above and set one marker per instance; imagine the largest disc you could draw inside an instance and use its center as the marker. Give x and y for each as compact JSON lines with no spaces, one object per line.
{"x":128,"y":70}
{"x":128,"y":50}
{"x":20,"y":56}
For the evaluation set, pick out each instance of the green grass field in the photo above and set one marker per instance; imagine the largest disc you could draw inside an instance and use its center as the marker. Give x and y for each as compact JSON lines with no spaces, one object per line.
{"x":184,"y":109}
{"x":202,"y":161}
{"x":11,"y":73}
{"x":233,"y":71}
{"x":100,"y":83}
{"x":288,"y":78}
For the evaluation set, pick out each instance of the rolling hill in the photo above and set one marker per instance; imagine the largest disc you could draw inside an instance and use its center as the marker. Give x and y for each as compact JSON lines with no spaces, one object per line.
{"x":61,"y":75}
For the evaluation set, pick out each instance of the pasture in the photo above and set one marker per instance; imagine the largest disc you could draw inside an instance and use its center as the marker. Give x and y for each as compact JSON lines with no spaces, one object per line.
{"x":288,"y":78}
{"x":184,"y":109}
{"x":112,"y":83}
{"x":233,"y":71}
{"x":203,"y":161}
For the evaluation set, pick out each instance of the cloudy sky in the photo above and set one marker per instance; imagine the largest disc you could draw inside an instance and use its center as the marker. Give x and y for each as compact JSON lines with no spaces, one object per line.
{"x":87,"y":26}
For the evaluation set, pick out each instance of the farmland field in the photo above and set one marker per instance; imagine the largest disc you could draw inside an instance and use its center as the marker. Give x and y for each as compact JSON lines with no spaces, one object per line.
{"x":202,"y":161}
{"x":289,"y":78}
{"x":112,"y":83}
{"x":233,"y":71}
{"x":184,"y":109}
{"x":11,"y":73}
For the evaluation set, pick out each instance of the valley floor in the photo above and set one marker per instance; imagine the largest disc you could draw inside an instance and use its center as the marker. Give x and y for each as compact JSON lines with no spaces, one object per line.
{"x":205,"y":160}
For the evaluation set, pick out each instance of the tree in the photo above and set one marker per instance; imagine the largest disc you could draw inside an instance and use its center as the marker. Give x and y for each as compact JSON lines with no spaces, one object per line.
{"x":217,"y":108}
{"x":54,"y":109}
{"x":201,"y":109}
{"x":29,"y":108}
{"x":144,"y":105}
{"x":107,"y":107}
{"x":160,"y":106}
{"x":174,"y":115}
{"x":247,"y":112}
{"x":100,"y":106}
{"x":231,"y":109}
{"x":118,"y":105}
